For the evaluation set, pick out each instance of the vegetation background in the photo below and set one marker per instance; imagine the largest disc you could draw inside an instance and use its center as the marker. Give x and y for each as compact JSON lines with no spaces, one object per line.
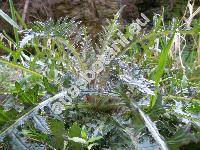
{"x":146,"y":98}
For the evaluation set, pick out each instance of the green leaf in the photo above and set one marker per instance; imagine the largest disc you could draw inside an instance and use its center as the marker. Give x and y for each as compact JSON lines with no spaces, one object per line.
{"x":182,"y":137}
{"x":12,"y":9}
{"x":58,"y":130}
{"x":4,"y":48}
{"x":21,"y":21}
{"x":77,"y":140}
{"x":74,"y":131}
{"x":67,"y":82}
{"x":3,"y":116}
{"x":33,"y":93}
{"x":94,"y":139}
{"x":6,"y":116}
{"x":50,"y":87}
{"x":157,"y":108}
{"x":161,"y":66}
{"x":15,"y":65}
{"x":36,"y":135}
{"x":151,"y":127}
{"x":29,"y":96}
{"x":18,"y":87}
{"x":8,"y":19}
{"x":84,"y":134}
{"x":163,"y":60}
{"x":24,"y":97}
{"x":91,"y":145}
{"x":194,"y":108}
{"x":184,"y":81}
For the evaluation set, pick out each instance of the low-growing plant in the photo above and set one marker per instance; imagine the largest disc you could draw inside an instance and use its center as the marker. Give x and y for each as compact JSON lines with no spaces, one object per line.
{"x":146,"y":97}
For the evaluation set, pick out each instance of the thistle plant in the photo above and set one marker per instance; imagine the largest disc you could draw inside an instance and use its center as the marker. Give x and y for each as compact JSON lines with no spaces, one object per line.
{"x":142,"y":96}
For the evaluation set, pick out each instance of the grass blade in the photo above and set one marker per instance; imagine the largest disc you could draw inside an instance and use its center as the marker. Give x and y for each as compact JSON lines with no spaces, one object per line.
{"x":163,"y":60}
{"x":14,"y":19}
{"x":8,"y":19}
{"x":161,"y":66}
